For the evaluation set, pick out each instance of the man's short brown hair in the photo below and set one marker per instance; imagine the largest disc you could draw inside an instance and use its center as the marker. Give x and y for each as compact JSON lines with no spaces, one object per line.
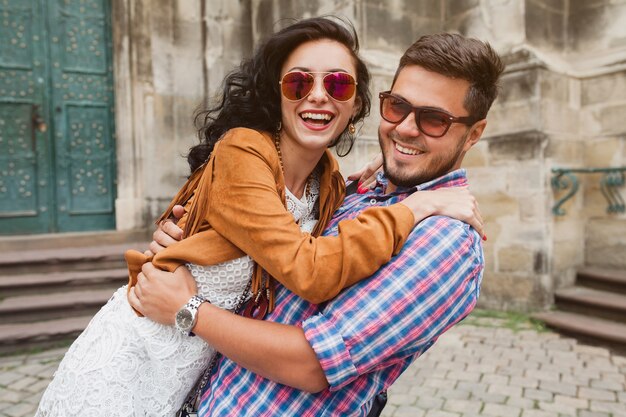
{"x":456,"y":56}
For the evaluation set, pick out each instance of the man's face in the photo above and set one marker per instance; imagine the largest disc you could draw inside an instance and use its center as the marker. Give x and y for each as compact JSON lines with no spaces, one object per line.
{"x":410,"y":156}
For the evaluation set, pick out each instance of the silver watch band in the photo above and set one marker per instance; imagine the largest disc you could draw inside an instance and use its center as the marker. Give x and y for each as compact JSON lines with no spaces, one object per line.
{"x":195,"y":301}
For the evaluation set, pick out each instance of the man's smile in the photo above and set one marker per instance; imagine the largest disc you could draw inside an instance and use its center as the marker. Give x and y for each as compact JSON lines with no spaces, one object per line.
{"x":406,"y":150}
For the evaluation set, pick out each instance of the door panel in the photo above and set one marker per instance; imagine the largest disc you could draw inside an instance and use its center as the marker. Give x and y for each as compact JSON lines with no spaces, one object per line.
{"x":57,"y":153}
{"x":24,"y":152}
{"x":82,"y":101}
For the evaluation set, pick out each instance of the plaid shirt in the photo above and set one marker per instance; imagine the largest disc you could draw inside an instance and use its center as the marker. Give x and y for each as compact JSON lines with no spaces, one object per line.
{"x":371,"y":332}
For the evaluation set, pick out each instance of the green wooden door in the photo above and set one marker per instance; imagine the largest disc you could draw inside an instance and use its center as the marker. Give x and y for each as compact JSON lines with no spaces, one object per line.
{"x":57,"y":154}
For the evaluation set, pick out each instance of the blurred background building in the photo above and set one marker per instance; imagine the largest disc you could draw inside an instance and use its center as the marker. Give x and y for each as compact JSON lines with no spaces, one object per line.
{"x":97,"y":99}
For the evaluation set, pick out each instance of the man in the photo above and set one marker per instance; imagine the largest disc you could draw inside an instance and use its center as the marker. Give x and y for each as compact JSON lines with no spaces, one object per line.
{"x":333,"y":359}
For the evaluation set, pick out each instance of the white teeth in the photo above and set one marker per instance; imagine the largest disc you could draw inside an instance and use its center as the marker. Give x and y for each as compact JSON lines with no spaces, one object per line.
{"x":316,"y":116}
{"x":406,"y":151}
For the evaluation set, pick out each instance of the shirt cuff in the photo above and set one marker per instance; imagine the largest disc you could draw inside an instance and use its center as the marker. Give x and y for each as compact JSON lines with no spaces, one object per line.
{"x":331,"y":351}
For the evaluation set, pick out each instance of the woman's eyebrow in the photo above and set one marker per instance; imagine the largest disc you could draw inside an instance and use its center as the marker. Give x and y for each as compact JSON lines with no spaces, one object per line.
{"x":305,"y":69}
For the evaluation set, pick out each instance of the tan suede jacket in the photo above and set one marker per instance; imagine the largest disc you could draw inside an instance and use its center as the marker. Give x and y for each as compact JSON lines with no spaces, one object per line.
{"x":238,"y":208}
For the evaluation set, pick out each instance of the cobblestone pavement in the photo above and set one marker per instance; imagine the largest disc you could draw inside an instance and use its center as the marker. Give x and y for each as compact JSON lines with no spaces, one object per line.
{"x":483,"y":367}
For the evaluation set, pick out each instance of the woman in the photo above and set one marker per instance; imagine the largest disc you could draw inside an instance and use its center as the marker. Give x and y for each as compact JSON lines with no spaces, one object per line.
{"x":267,"y":140}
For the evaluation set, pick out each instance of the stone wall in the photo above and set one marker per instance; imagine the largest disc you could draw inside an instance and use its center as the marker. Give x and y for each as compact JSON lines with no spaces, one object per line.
{"x":562,"y":103}
{"x":603,"y":100}
{"x":169,"y":56}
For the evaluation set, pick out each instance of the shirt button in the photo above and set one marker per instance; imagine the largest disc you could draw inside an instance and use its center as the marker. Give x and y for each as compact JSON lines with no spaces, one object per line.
{"x":373,"y":201}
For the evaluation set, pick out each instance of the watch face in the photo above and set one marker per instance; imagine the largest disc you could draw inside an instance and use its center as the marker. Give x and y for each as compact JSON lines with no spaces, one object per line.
{"x":184,"y":319}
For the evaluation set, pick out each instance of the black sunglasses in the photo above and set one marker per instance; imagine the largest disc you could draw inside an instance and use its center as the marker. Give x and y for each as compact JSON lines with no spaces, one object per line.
{"x":430,"y":121}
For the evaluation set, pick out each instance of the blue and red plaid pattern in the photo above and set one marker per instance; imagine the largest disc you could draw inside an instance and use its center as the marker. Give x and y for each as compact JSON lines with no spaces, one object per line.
{"x":371,"y":332}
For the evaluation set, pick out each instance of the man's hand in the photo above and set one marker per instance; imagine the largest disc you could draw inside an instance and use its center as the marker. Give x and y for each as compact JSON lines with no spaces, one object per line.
{"x":159,"y":295}
{"x":167,"y":233}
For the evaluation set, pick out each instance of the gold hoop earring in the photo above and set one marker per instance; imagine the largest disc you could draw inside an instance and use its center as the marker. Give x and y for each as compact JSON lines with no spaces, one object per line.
{"x":351,"y":129}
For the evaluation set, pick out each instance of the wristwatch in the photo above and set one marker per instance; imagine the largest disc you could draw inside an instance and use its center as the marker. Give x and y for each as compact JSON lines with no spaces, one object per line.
{"x":187,"y":316}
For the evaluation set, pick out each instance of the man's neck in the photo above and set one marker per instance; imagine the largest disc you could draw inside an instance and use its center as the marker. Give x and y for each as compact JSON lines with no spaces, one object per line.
{"x":390,"y":187}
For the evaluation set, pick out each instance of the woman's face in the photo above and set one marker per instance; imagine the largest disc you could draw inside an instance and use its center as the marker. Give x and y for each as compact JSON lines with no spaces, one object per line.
{"x":315,"y":121}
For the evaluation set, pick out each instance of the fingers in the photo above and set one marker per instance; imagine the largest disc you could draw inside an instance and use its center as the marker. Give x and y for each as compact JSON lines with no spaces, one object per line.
{"x":356,"y":175}
{"x":368,"y":183}
{"x":172,"y":230}
{"x":366,"y":176}
{"x":146,"y":269}
{"x":134,"y":301}
{"x":167,"y":234}
{"x":154,"y":248}
{"x":477,"y":221}
{"x":178,"y":212}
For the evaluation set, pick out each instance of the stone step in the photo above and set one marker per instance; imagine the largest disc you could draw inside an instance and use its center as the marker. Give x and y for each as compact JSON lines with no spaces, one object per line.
{"x":587,"y":328}
{"x":46,"y":283}
{"x":42,"y":307}
{"x":66,"y":259}
{"x":72,"y":240}
{"x":613,"y":280}
{"x":592,"y":302}
{"x":46,"y":334}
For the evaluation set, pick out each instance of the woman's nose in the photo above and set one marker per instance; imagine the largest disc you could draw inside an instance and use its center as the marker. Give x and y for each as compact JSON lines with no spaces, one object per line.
{"x":318,"y":94}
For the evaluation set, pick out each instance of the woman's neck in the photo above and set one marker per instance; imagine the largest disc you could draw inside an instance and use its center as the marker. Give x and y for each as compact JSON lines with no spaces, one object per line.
{"x":298,"y":164}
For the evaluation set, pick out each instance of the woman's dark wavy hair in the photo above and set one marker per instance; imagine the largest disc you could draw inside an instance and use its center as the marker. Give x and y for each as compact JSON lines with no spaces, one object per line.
{"x":251,"y":95}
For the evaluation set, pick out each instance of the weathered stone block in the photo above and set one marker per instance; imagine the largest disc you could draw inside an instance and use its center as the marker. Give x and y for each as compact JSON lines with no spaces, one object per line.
{"x":519,"y":86}
{"x":396,"y":28}
{"x":558,"y":118}
{"x":554,"y":86}
{"x":501,"y":23}
{"x":596,"y":25}
{"x":533,"y":207}
{"x":455,"y":7}
{"x":487,"y":180}
{"x":603,"y":89}
{"x":595,"y":204}
{"x":528,"y":177}
{"x":513,"y":117}
{"x":546,"y":23}
{"x":567,"y":254}
{"x":516,"y":258}
{"x":606,"y":242}
{"x":511,"y":292}
{"x":565,"y":151}
{"x":496,"y":205}
{"x":516,"y":146}
{"x":568,"y":229}
{"x":608,"y":119}
{"x":604,"y":152}
{"x":476,"y":156}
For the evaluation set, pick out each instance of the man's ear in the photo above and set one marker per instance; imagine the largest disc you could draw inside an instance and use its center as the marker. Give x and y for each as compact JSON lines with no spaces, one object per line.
{"x":474,"y":134}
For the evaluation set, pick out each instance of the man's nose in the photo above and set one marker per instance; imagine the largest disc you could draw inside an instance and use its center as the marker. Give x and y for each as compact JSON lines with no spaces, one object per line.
{"x":408,"y":127}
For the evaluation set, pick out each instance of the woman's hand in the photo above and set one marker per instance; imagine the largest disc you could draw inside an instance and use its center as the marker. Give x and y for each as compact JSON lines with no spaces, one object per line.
{"x":366,"y":176}
{"x":167,"y":233}
{"x":455,"y":202}
{"x":159,"y":295}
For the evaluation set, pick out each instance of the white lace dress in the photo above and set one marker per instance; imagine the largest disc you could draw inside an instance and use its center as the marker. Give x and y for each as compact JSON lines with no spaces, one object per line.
{"x":124,"y":365}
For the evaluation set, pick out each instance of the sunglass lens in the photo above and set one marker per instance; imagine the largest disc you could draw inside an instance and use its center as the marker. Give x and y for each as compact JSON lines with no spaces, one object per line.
{"x":434,"y":123}
{"x":340,"y":86}
{"x":394,"y":110}
{"x":296,"y":85}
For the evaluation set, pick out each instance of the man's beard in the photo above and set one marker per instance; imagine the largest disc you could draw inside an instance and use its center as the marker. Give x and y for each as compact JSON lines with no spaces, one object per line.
{"x":437,"y":167}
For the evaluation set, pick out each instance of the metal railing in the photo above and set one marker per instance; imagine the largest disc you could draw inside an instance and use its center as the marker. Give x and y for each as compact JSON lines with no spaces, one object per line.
{"x":566,"y":179}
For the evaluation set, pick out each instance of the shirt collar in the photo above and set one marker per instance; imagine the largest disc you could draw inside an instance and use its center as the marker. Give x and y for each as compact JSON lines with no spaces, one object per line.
{"x":456,"y":178}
